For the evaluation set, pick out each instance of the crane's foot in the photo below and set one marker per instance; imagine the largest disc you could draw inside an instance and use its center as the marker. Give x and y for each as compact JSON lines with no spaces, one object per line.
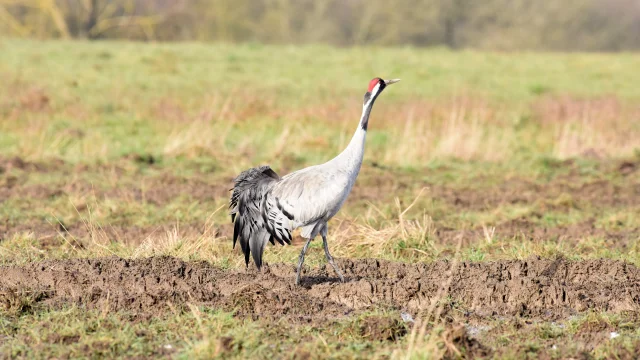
{"x":301,"y":261}
{"x":336,"y":269}
{"x":330,"y":258}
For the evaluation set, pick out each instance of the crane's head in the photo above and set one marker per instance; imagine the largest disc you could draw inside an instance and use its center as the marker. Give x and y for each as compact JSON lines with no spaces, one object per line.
{"x":375,"y":88}
{"x":376,"y":85}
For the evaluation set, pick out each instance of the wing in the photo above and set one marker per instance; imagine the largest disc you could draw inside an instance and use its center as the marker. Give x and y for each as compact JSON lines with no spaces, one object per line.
{"x":249,"y":193}
{"x":302,"y":198}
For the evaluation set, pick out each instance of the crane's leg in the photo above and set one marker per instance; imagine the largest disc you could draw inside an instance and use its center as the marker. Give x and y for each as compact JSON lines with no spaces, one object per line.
{"x":330,"y":258}
{"x":301,"y":260}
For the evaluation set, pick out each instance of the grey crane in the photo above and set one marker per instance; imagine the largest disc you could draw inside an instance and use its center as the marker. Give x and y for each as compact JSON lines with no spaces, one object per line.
{"x":267,"y":208}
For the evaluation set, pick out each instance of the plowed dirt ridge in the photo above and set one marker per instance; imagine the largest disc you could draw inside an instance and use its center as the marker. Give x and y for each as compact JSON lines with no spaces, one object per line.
{"x":534,"y":287}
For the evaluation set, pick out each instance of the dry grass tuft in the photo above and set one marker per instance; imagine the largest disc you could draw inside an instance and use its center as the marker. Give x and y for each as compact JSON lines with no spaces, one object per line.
{"x":463,"y":128}
{"x":35,"y":100}
{"x":204,"y":246}
{"x":382,"y":240}
{"x":599,"y":127}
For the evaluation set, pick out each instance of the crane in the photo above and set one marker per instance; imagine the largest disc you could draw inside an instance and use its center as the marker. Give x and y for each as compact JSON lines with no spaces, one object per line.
{"x":265,"y":207}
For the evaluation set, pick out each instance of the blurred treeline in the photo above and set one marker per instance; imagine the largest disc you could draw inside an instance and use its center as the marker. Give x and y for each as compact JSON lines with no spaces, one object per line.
{"x":567,"y":25}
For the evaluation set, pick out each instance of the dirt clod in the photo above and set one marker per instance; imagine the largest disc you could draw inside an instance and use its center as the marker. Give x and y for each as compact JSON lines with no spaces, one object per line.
{"x":593,"y":332}
{"x":627,"y":168}
{"x":382,"y":328}
{"x":224,"y":345}
{"x":63,"y":339}
{"x":460,"y":345}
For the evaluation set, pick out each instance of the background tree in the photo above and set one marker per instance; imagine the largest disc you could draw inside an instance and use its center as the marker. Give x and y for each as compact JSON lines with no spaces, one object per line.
{"x":588,"y":25}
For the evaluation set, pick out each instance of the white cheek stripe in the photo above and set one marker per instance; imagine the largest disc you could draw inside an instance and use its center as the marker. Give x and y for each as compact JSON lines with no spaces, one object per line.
{"x":373,"y":91}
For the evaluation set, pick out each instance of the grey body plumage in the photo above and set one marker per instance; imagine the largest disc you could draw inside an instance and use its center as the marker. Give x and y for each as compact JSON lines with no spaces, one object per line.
{"x":267,"y":208}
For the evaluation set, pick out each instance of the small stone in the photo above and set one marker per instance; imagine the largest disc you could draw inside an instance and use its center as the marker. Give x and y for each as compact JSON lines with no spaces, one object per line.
{"x":406,"y":317}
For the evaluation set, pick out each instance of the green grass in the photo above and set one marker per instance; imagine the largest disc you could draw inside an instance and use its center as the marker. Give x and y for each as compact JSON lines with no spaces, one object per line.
{"x":203,"y":334}
{"x":133,"y":147}
{"x":199,"y":333}
{"x":299,"y":74}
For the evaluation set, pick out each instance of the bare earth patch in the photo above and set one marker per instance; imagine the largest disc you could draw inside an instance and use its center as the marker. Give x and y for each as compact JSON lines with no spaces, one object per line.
{"x":534,"y":288}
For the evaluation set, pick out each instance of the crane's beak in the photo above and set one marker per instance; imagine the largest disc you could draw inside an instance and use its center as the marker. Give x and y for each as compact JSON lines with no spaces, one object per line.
{"x":392,"y":81}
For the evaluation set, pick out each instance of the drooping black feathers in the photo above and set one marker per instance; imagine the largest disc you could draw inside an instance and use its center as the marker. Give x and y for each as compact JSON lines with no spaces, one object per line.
{"x":250,"y":192}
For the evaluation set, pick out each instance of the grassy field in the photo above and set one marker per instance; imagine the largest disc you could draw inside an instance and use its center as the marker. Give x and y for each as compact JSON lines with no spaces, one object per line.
{"x":114,"y":150}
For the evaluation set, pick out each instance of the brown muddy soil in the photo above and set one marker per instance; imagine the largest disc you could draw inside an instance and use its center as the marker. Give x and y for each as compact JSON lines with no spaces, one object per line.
{"x":528,"y":230}
{"x":569,"y":190}
{"x":534,"y":288}
{"x":572,"y":190}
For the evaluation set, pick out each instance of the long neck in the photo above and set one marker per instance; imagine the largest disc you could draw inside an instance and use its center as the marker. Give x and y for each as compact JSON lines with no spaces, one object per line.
{"x":352,"y":155}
